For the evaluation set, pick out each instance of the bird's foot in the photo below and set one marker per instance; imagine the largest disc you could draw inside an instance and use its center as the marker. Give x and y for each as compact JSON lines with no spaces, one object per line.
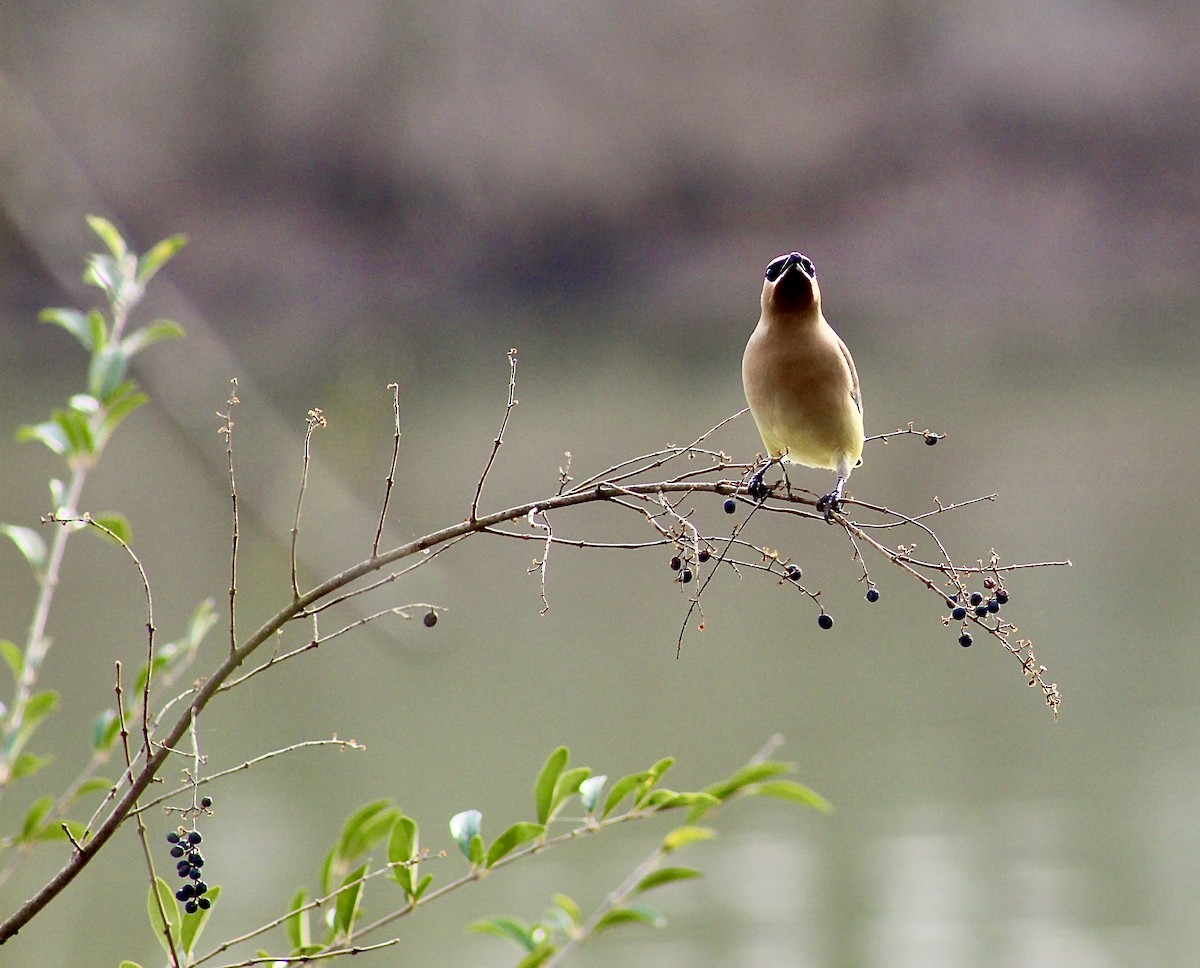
{"x":831,"y":503}
{"x":756,"y":488}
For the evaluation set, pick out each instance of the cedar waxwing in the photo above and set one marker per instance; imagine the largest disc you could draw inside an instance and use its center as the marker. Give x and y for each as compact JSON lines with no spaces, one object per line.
{"x":800,"y":380}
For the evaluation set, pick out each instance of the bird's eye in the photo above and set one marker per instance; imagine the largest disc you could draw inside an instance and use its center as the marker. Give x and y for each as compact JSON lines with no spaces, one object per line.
{"x":775,"y":269}
{"x":807,"y":266}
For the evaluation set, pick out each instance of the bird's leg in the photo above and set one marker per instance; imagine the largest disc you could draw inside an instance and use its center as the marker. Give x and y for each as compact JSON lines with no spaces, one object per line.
{"x":756,"y":488}
{"x":832,"y":501}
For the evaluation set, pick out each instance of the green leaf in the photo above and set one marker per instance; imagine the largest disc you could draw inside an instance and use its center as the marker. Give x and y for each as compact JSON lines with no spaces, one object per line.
{"x":76,"y":430}
{"x":115,"y":522}
{"x":108,"y":235}
{"x":27,"y":764}
{"x":296,"y":922}
{"x":569,"y":908}
{"x":348,"y":900}
{"x":510,"y":929}
{"x":538,"y":957}
{"x":48,"y":433}
{"x":632,"y":914}
{"x":670,"y":800}
{"x":167,"y":899}
{"x":29,"y":543}
{"x":568,"y":785}
{"x":125,"y":399}
{"x":654,"y":775}
{"x":156,"y":332}
{"x":464,"y":827}
{"x":92,"y":785}
{"x":621,"y":789}
{"x":14,"y":657}
{"x":106,"y":371}
{"x":403,"y":846}
{"x":193,"y":924}
{"x":105,"y":729}
{"x":365,"y":828}
{"x":158,"y":255}
{"x":34,"y":816}
{"x":475,"y":851}
{"x":40,"y":705}
{"x":665,"y":875}
{"x":98,"y":328}
{"x":753,"y":773}
{"x":403,"y":842}
{"x":794,"y":792}
{"x":129,"y":964}
{"x":326,"y":876}
{"x":73,"y":321}
{"x":543,"y":789}
{"x":512,"y":838}
{"x":327,"y":865}
{"x":682,"y":836}
{"x":422,"y":886}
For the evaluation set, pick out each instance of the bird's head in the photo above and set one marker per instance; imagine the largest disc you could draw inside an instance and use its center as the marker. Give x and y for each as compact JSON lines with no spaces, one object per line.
{"x":791,"y":285}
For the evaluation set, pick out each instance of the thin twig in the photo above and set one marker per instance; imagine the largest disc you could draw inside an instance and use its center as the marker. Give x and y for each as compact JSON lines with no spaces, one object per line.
{"x":227,"y":431}
{"x":315,"y":419}
{"x":508,"y":409}
{"x":391,"y":478}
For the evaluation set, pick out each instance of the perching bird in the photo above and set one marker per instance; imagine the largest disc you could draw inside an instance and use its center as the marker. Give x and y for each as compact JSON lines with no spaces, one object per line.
{"x":800,"y":380}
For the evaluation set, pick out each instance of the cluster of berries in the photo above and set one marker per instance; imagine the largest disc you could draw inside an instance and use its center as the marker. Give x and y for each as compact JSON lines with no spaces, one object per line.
{"x":185,"y":848}
{"x":680,"y":565}
{"x":978,"y":605}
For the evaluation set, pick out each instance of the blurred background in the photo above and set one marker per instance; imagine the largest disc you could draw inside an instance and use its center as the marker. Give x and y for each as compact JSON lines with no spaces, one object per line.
{"x":1002,"y":201}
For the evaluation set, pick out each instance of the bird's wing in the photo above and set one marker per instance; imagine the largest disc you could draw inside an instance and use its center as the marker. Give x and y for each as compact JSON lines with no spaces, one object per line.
{"x":855,"y":391}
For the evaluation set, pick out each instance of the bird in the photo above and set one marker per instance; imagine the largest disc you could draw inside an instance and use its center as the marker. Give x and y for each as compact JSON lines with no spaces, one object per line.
{"x":800,"y":381}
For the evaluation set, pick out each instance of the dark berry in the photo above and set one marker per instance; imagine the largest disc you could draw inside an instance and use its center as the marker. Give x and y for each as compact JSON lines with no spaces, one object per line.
{"x":872,"y":594}
{"x":183,"y":871}
{"x":184,"y":892}
{"x":195,"y":860}
{"x":976,"y":598}
{"x":993,"y":606}
{"x":200,"y":888}
{"x":194,"y":837}
{"x":704,"y":555}
{"x":685,"y":576}
{"x":194,"y":873}
{"x":794,"y":572}
{"x":981,"y":610}
{"x":730,"y":505}
{"x":757,"y":489}
{"x":206,"y":802}
{"x":988,"y":583}
{"x":965,"y":639}
{"x":191,"y":907}
{"x":177,"y":851}
{"x":430,"y":619}
{"x":931,"y":439}
{"x":676,"y":563}
{"x":958,"y":614}
{"x":825,"y":620}
{"x":204,"y":903}
{"x":1002,"y":596}
{"x":172,"y":838}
